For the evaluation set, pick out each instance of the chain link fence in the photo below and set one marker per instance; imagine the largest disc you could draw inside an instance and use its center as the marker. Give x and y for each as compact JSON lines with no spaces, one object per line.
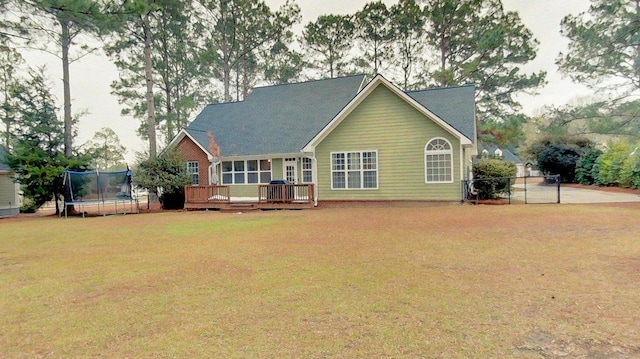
{"x":528,"y":190}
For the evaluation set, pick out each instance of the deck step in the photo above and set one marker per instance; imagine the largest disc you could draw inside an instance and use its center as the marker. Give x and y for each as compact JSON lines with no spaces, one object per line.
{"x":240,"y":207}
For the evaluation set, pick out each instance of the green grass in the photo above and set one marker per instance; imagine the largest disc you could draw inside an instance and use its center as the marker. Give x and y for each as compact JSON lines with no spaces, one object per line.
{"x":441,"y":282}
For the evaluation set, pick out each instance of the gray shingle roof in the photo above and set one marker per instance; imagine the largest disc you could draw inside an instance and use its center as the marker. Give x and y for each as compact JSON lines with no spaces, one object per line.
{"x":507,"y":154}
{"x":284,"y":118}
{"x":275,"y":119}
{"x":455,"y":105}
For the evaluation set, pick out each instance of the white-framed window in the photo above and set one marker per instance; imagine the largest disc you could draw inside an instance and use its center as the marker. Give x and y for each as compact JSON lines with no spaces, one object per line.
{"x":438,"y":161}
{"x":354,"y":170}
{"x":246,"y":172}
{"x":307,"y":170}
{"x":193,"y":169}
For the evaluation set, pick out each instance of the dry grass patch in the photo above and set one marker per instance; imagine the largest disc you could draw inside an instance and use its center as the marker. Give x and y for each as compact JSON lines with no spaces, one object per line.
{"x":444,"y":282}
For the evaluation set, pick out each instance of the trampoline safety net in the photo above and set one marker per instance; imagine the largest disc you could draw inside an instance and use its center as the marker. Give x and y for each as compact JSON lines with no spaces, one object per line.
{"x":97,"y":188}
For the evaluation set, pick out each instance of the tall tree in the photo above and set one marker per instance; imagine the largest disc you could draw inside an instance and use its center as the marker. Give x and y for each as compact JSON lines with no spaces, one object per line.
{"x":37,"y":156}
{"x":137,"y":32}
{"x":106,"y":150}
{"x":240,"y":30}
{"x":72,"y":19}
{"x":408,"y":22}
{"x":604,"y":54}
{"x":374,"y":32}
{"x":177,"y":71}
{"x":478,"y":42}
{"x":283,"y":64}
{"x":9,"y":80}
{"x":330,"y":37}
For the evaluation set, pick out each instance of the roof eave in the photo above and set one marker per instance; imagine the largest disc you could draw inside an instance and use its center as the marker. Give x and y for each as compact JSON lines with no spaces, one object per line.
{"x":184,"y":133}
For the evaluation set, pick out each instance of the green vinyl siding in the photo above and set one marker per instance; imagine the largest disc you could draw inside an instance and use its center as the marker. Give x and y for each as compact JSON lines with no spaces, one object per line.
{"x":385,"y":123}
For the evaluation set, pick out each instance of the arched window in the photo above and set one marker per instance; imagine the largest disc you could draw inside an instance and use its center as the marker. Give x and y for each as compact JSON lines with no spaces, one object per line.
{"x":438,"y":161}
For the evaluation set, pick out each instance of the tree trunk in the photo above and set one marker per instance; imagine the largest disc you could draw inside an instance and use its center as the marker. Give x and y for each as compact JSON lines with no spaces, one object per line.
{"x":167,"y":89}
{"x":148,"y":71}
{"x":66,"y":43}
{"x":444,"y":81}
{"x":227,"y":81}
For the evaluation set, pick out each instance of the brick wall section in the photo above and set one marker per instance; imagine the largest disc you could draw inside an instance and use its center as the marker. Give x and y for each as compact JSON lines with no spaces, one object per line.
{"x":191,"y":152}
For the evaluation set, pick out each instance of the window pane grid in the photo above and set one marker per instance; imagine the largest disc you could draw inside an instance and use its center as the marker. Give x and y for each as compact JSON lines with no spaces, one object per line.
{"x":193,"y":171}
{"x":307,"y":170}
{"x":246,"y":171}
{"x":438,"y":161}
{"x":354,"y":170}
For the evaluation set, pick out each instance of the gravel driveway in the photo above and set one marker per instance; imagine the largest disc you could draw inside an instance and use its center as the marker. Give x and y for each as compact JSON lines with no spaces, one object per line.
{"x":584,"y":195}
{"x":570,"y":194}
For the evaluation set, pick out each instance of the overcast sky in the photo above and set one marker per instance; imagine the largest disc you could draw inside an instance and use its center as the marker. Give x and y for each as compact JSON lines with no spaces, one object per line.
{"x":92,"y":75}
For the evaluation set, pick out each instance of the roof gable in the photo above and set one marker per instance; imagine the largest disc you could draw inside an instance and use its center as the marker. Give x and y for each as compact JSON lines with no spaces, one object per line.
{"x":379,"y":80}
{"x":274,"y":119}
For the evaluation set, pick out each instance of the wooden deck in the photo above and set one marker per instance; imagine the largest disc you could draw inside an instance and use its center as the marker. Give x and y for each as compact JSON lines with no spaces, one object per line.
{"x":277,"y":196}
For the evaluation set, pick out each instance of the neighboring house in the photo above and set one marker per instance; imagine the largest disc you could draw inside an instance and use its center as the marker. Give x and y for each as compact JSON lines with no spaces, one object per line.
{"x":487,"y":150}
{"x":355,"y":141}
{"x":9,"y":190}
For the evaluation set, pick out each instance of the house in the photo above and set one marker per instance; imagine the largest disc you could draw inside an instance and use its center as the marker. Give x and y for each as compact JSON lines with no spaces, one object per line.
{"x":488,"y":150}
{"x":351,"y":139}
{"x":10,"y":200}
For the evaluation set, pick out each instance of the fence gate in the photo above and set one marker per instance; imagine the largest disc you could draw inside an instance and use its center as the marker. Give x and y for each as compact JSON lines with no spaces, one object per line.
{"x":542,"y":189}
{"x":529,"y":190}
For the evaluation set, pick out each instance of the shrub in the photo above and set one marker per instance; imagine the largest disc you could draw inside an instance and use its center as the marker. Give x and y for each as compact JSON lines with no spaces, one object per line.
{"x":610,"y":163}
{"x":630,"y":175}
{"x":165,"y":175}
{"x":587,"y":167}
{"x":493,"y":177}
{"x":559,"y":155}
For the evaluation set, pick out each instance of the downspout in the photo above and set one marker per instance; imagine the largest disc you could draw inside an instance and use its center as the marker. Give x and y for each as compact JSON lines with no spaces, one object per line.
{"x":463,"y":174}
{"x":314,"y":176}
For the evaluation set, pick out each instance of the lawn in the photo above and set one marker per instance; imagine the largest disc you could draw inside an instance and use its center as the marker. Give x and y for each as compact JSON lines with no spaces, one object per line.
{"x":536,"y":281}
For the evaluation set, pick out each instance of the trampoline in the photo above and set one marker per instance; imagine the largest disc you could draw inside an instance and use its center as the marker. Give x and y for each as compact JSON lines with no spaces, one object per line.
{"x":94,"y":190}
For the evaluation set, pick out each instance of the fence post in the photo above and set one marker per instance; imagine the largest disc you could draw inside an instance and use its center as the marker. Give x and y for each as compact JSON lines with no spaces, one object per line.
{"x":509,"y":184}
{"x":525,"y":189}
{"x":558,"y":186}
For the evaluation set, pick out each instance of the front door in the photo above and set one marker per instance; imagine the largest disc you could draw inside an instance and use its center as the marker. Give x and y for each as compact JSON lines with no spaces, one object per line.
{"x":291,"y":170}
{"x":291,"y":174}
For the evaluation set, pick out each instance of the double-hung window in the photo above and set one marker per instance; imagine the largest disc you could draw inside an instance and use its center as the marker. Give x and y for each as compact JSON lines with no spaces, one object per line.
{"x":193,"y":171}
{"x":438,"y":161}
{"x":246,"y":172}
{"x":354,"y":170}
{"x":307,"y":170}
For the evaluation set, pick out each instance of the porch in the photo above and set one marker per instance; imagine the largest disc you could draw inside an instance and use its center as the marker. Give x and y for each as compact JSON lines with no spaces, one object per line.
{"x":271,"y":196}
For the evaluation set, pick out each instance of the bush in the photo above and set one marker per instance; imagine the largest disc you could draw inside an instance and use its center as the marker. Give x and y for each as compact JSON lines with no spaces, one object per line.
{"x":559,"y":155}
{"x":165,"y":175}
{"x":493,"y":177}
{"x":610,"y":164}
{"x":630,"y":175}
{"x":587,"y":167}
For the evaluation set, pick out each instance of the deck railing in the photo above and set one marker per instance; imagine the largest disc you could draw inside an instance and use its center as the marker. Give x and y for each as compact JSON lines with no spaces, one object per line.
{"x":207,"y":193}
{"x":286,"y":193}
{"x":269,"y":196}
